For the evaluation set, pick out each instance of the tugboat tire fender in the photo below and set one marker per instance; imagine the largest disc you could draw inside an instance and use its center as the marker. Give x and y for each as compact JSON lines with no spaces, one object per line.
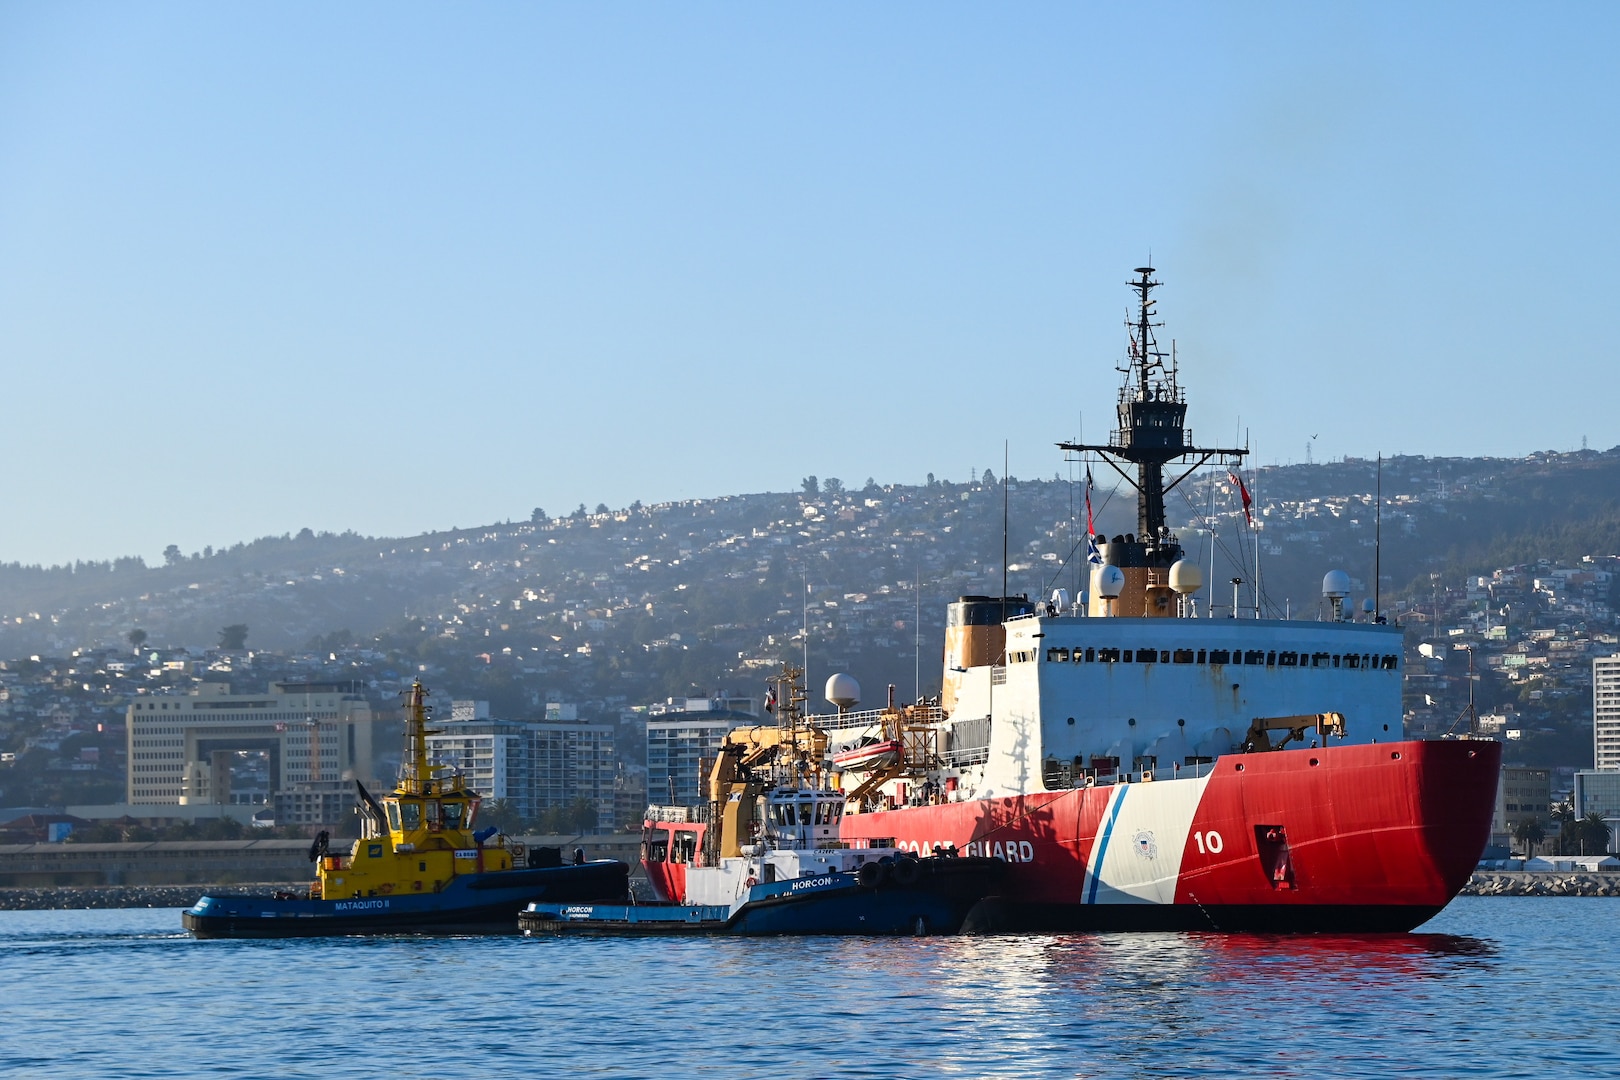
{"x":905,"y":872}
{"x":870,"y":874}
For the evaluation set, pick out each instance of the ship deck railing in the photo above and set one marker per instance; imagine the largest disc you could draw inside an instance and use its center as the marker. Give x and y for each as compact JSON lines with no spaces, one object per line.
{"x":678,"y":815}
{"x":865,"y":718}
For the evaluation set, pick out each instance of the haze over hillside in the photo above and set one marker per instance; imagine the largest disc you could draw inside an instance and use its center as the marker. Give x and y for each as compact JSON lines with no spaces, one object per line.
{"x":731,"y":580}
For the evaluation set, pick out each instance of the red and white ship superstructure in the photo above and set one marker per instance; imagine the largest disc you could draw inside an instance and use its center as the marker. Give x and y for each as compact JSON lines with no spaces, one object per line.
{"x":1145,"y":768}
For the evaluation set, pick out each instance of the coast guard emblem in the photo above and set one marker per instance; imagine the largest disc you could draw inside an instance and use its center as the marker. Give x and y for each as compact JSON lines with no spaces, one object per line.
{"x":1144,"y":845}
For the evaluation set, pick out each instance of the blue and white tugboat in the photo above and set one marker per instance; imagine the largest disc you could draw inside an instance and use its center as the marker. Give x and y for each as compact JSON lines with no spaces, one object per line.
{"x":418,"y":867}
{"x":767,"y":858}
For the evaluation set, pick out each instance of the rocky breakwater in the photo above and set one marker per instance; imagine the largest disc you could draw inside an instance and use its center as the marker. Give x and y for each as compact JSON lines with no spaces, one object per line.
{"x":120,"y":896}
{"x":1521,"y":883}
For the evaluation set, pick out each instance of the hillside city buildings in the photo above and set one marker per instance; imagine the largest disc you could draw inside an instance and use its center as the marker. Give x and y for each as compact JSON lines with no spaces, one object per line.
{"x":616,"y":611}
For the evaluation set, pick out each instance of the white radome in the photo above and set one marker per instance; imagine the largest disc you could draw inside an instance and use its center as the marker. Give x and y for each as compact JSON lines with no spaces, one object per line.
{"x":1336,"y":584}
{"x":843,"y":691}
{"x":1109,"y":581}
{"x":1185,"y":577}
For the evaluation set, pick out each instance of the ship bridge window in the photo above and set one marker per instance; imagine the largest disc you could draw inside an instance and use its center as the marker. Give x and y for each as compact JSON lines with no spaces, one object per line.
{"x":393,"y":816}
{"x":1288,"y":659}
{"x":656,"y":849}
{"x":684,"y":849}
{"x":1351,"y":660}
{"x":1091,"y":655}
{"x":452,"y":815}
{"x":1319,"y":659}
{"x":1219,"y":656}
{"x":1107,"y":656}
{"x":1254,"y":656}
{"x":410,"y":815}
{"x":1127,"y":657}
{"x":1391,"y":662}
{"x":1058,"y":655}
{"x":806,"y":813}
{"x":1183,"y":656}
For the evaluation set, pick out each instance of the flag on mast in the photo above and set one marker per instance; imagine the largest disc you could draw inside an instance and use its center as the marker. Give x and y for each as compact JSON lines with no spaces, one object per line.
{"x":1093,"y":556}
{"x":1243,"y":491}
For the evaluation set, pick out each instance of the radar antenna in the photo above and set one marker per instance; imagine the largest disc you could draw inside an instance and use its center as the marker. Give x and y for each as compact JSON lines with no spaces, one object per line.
{"x":1152,"y":430}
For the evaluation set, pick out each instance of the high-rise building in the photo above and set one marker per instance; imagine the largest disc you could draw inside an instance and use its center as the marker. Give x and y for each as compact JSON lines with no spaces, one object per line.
{"x":532,"y":765}
{"x":1606,"y":712}
{"x":682,"y":734}
{"x":186,"y":749}
{"x":1522,"y":793}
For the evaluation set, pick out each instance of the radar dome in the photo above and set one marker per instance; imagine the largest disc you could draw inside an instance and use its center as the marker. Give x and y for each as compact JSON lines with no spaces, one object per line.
{"x":1367,"y":605}
{"x":843,"y":691}
{"x":1335,"y":584}
{"x":1109,"y":581}
{"x":1185,"y":577}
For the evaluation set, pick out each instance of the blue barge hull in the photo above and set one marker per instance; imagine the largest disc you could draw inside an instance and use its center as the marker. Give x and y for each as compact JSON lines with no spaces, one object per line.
{"x":939,"y":901}
{"x":471,"y":904}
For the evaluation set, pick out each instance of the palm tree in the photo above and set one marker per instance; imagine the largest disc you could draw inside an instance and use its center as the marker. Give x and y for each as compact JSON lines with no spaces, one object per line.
{"x":1529,"y":832}
{"x":1594,"y":834}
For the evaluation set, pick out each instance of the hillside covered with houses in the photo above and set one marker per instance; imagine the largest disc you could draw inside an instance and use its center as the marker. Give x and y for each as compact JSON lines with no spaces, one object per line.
{"x":1507,"y":563}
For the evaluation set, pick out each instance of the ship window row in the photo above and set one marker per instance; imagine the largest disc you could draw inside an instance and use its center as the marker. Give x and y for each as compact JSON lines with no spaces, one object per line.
{"x":1238,"y":657}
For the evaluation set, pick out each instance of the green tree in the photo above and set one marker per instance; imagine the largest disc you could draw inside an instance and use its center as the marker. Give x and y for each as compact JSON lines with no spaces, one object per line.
{"x":582,"y":815}
{"x":1529,"y":832}
{"x":988,"y":479}
{"x":136,"y":638}
{"x":502,"y":814}
{"x":1593,"y":835}
{"x":832,"y":486}
{"x":172,"y":555}
{"x":810,"y":485}
{"x":234,"y":637}
{"x":601,"y":508}
{"x":538,"y":517}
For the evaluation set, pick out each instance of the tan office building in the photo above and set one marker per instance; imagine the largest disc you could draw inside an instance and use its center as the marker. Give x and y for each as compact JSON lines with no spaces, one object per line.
{"x":182,"y":748}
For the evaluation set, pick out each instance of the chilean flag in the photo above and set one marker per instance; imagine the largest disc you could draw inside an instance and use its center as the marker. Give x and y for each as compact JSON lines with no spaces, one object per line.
{"x":1093,"y":556}
{"x":1244,"y":492}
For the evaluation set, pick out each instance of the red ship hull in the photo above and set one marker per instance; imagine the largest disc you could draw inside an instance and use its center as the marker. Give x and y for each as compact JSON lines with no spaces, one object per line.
{"x":1354,"y":838}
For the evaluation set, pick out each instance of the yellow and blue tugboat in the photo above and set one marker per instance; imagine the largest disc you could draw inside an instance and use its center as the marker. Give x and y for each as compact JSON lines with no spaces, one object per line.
{"x":418,"y":867}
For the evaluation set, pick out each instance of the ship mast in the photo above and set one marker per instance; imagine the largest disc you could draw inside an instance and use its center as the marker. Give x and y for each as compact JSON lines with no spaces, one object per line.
{"x":415,"y":771}
{"x":1152,"y":430}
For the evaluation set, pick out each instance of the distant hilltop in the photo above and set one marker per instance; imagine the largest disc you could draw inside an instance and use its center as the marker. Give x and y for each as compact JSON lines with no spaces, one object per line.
{"x":736,"y":569}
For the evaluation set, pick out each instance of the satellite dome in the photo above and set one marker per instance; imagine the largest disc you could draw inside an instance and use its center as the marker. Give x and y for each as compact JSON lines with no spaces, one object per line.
{"x":1109,"y":581}
{"x":1335,"y":584}
{"x":1185,"y":577}
{"x":1060,"y":599}
{"x":843,"y":691}
{"x":1367,"y":605}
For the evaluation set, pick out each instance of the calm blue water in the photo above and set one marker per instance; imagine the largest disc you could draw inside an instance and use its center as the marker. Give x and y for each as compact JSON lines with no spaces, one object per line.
{"x":1493,"y":987}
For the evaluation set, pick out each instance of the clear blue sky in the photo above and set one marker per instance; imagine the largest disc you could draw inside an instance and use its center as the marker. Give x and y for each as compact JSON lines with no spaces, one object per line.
{"x":394,"y":267}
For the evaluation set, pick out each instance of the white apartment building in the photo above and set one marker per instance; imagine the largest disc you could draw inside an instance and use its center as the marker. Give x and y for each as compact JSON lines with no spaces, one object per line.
{"x":533,"y":765}
{"x":1606,"y":712}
